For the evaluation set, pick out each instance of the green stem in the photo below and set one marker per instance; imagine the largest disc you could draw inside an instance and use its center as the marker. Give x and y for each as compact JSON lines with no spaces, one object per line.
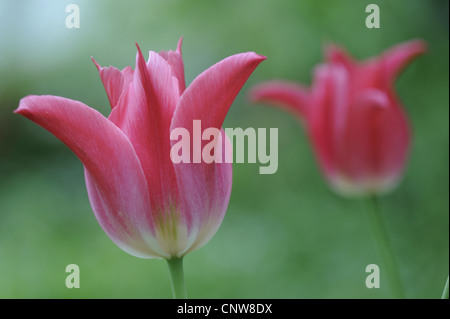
{"x":384,"y":245}
{"x":445,"y":293}
{"x":177,"y":277}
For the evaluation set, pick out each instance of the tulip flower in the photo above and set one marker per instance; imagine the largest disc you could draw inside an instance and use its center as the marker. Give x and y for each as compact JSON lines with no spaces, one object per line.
{"x":353,"y":117}
{"x":356,"y":125}
{"x":149,"y":206}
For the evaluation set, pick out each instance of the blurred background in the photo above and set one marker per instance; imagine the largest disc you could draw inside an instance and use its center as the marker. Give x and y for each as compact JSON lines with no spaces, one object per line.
{"x":285,"y":235}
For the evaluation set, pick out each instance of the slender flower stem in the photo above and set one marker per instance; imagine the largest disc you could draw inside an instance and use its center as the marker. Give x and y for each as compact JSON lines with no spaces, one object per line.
{"x":385,"y":248}
{"x":177,"y":277}
{"x":445,"y":293}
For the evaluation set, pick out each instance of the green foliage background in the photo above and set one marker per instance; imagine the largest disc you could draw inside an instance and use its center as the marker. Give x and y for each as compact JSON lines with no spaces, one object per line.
{"x":285,"y":235}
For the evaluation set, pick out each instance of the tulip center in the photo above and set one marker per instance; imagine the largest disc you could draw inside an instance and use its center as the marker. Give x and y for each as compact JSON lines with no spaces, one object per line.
{"x":170,"y":232}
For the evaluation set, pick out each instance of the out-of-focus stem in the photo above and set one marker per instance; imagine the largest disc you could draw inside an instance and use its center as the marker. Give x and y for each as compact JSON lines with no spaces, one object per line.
{"x":385,"y":248}
{"x":445,"y":293}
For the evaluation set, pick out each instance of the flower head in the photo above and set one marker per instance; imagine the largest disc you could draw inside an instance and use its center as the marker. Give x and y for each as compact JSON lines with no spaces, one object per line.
{"x":353,"y":116}
{"x":149,"y":206}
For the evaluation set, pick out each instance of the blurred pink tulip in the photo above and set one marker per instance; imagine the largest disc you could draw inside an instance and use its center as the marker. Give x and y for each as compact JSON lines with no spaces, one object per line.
{"x":353,"y":117}
{"x":147,"y":205}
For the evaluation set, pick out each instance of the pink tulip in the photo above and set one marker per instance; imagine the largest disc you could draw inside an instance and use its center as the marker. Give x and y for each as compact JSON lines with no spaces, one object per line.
{"x":147,"y":205}
{"x":354,"y":119}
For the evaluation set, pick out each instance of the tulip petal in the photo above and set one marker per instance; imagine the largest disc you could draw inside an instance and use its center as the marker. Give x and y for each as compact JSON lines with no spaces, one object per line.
{"x":376,"y":141}
{"x":205,"y":191}
{"x":175,"y":60}
{"x":288,"y":95}
{"x":144,"y":115}
{"x":205,"y":188}
{"x":114,"y":177}
{"x":395,"y":59}
{"x":328,"y":116}
{"x":337,"y":55}
{"x":211,"y":94}
{"x":114,"y":81}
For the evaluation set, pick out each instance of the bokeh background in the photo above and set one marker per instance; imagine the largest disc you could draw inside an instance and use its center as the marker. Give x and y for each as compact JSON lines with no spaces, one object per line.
{"x":285,"y":235}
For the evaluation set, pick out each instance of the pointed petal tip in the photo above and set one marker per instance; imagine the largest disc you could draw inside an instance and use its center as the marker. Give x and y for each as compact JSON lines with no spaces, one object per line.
{"x":257,"y":92}
{"x":257,"y":56}
{"x":180,"y":43}
{"x":140,"y":60}
{"x":287,"y":95}
{"x":331,"y":47}
{"x":252,"y":95}
{"x":20,"y":110}
{"x":138,"y":48}
{"x":335,"y":53}
{"x":396,"y":58}
{"x":417,"y":46}
{"x":23,"y":108}
{"x":251,"y":58}
{"x":139,"y":52}
{"x":96,"y":64}
{"x":402,"y":53}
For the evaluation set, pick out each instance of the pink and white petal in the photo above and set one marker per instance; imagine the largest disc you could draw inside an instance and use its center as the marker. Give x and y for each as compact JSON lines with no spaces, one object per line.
{"x":114,"y":81}
{"x":144,"y":115}
{"x":115,"y":181}
{"x":140,"y":242}
{"x":287,"y":95}
{"x":208,"y":99}
{"x":205,"y":192}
